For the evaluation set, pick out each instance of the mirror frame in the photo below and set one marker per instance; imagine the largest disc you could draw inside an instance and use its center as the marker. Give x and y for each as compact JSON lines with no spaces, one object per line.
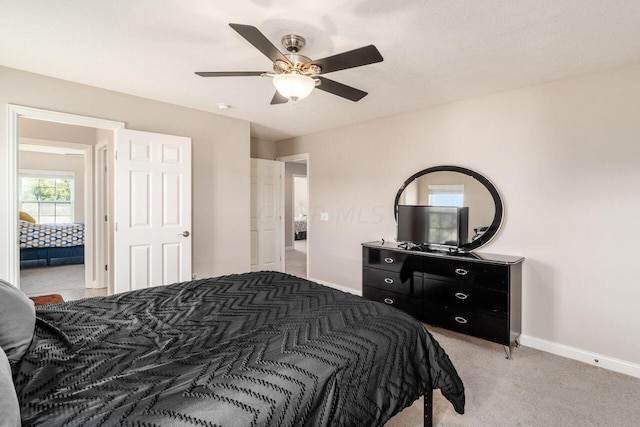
{"x":499,"y":208}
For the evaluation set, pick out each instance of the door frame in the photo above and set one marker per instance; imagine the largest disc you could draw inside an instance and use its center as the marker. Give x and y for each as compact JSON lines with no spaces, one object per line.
{"x":103,"y":181}
{"x":307,"y":158}
{"x":14,"y":113}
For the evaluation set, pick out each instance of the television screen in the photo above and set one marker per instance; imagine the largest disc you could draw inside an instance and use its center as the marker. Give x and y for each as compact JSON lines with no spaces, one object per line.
{"x":433,"y":225}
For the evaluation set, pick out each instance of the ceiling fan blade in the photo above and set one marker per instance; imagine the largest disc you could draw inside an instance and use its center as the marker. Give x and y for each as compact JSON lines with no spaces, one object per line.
{"x":260,"y":42}
{"x":340,"y":89}
{"x":351,"y":59}
{"x":229,"y":73}
{"x":278,"y":99}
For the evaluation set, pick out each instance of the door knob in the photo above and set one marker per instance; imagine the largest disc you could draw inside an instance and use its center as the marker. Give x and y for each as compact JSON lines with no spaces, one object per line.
{"x":184,"y":233}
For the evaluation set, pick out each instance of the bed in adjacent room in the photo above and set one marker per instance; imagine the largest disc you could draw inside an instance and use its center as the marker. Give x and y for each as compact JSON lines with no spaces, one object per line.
{"x":254,"y":349}
{"x":300,"y":229}
{"x":51,"y":244}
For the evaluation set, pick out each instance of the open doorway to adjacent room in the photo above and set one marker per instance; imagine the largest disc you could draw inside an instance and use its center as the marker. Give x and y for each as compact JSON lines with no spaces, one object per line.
{"x":55,"y":202}
{"x":296,"y":224}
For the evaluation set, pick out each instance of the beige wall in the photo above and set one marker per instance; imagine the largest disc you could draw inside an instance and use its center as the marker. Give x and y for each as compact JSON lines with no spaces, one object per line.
{"x":220,"y":159}
{"x":565,"y":157}
{"x":52,"y":131}
{"x":60,"y":162}
{"x":263,"y":149}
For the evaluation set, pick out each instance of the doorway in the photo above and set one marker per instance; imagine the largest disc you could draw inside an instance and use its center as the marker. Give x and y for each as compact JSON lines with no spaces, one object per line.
{"x":297,"y":220}
{"x":44,"y":118}
{"x":163,"y":187}
{"x":55,"y":198}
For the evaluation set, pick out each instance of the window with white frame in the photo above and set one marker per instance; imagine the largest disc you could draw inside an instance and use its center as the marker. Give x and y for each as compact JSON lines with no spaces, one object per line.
{"x":446,"y":195}
{"x":47,"y":195}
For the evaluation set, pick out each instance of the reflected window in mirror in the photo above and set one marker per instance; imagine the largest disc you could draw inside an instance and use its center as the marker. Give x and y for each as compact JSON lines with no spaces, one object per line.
{"x":446,"y":195}
{"x":453,"y":186}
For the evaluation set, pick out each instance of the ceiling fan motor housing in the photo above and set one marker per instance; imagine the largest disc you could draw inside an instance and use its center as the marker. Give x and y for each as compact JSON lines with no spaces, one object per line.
{"x":293,"y":42}
{"x":298,"y":64}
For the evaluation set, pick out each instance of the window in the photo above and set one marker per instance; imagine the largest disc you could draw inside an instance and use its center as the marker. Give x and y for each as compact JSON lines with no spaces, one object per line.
{"x":47,"y":196}
{"x":446,"y":195}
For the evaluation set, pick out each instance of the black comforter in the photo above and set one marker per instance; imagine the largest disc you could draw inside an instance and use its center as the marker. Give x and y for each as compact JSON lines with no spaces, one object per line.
{"x":257,"y":349}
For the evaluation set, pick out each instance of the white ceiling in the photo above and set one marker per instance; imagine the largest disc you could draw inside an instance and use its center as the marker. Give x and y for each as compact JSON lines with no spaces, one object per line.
{"x":435,"y":51}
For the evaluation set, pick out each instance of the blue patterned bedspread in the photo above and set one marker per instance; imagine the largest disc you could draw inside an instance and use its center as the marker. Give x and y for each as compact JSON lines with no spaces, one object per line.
{"x":51,"y":235}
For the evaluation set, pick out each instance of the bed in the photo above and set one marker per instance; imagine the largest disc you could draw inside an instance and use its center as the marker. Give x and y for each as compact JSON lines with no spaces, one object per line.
{"x":51,"y":244}
{"x":300,"y":229}
{"x":254,"y":349}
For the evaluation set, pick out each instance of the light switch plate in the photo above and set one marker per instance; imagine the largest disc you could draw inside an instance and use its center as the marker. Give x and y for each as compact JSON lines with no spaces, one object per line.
{"x":324,"y":216}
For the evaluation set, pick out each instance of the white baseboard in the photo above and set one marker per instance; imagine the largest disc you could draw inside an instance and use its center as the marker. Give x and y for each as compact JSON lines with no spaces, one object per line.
{"x":595,"y":359}
{"x":338,"y":287}
{"x":94,"y":285}
{"x":288,"y":247}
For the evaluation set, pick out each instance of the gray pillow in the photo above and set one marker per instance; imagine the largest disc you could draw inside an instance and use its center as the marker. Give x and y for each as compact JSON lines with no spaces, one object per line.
{"x":9,"y":408}
{"x":17,"y":321}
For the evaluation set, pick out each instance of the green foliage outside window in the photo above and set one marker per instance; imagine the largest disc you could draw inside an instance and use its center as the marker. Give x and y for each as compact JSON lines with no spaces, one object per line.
{"x":46,"y":189}
{"x":47,"y":199}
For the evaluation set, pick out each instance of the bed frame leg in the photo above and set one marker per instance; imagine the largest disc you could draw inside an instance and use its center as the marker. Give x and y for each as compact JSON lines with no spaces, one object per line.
{"x":428,"y":408}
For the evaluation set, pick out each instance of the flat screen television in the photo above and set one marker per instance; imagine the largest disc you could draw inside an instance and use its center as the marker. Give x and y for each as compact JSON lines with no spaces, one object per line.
{"x":434,"y":226}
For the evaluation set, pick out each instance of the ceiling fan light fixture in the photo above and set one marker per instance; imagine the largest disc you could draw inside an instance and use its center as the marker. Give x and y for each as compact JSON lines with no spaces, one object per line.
{"x":294,"y":86}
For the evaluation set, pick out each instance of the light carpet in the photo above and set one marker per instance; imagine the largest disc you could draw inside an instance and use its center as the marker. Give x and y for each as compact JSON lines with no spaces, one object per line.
{"x":534,"y":388}
{"x":295,"y":261}
{"x":66,"y":280}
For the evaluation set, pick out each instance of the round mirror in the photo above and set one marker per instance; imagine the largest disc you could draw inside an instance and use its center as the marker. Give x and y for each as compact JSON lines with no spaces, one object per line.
{"x":480,"y":207}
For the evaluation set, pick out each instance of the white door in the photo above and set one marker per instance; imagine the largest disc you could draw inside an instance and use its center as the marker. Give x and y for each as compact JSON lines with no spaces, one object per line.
{"x":152,"y":206}
{"x":267,"y":215}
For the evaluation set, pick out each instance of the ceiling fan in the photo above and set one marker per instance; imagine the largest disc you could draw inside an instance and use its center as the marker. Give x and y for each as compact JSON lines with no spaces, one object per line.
{"x":295,"y":75}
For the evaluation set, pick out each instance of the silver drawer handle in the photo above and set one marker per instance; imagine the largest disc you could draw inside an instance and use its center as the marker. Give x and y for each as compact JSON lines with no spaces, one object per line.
{"x":461,"y":295}
{"x":461,"y":271}
{"x":460,"y":319}
{"x":388,"y":300}
{"x":388,"y":260}
{"x":388,"y":281}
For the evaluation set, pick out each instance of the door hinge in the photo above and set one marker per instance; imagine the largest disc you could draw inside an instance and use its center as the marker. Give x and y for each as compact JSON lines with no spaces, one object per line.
{"x":115,"y":154}
{"x":116,"y":226}
{"x":106,"y":267}
{"x":106,"y":218}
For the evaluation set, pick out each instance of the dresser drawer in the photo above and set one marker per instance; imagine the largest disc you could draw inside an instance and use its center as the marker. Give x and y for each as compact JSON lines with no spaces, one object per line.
{"x":407,"y":284}
{"x":492,"y":328}
{"x":477,"y":274}
{"x":461,"y":295}
{"x":390,"y":260}
{"x":405,"y":303}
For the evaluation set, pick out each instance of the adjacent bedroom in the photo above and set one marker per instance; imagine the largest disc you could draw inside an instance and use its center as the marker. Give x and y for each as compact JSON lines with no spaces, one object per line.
{"x":55,"y":192}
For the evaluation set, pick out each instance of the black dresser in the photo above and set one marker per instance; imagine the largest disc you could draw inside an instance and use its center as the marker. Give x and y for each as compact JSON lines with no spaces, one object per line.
{"x":477,"y":294}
